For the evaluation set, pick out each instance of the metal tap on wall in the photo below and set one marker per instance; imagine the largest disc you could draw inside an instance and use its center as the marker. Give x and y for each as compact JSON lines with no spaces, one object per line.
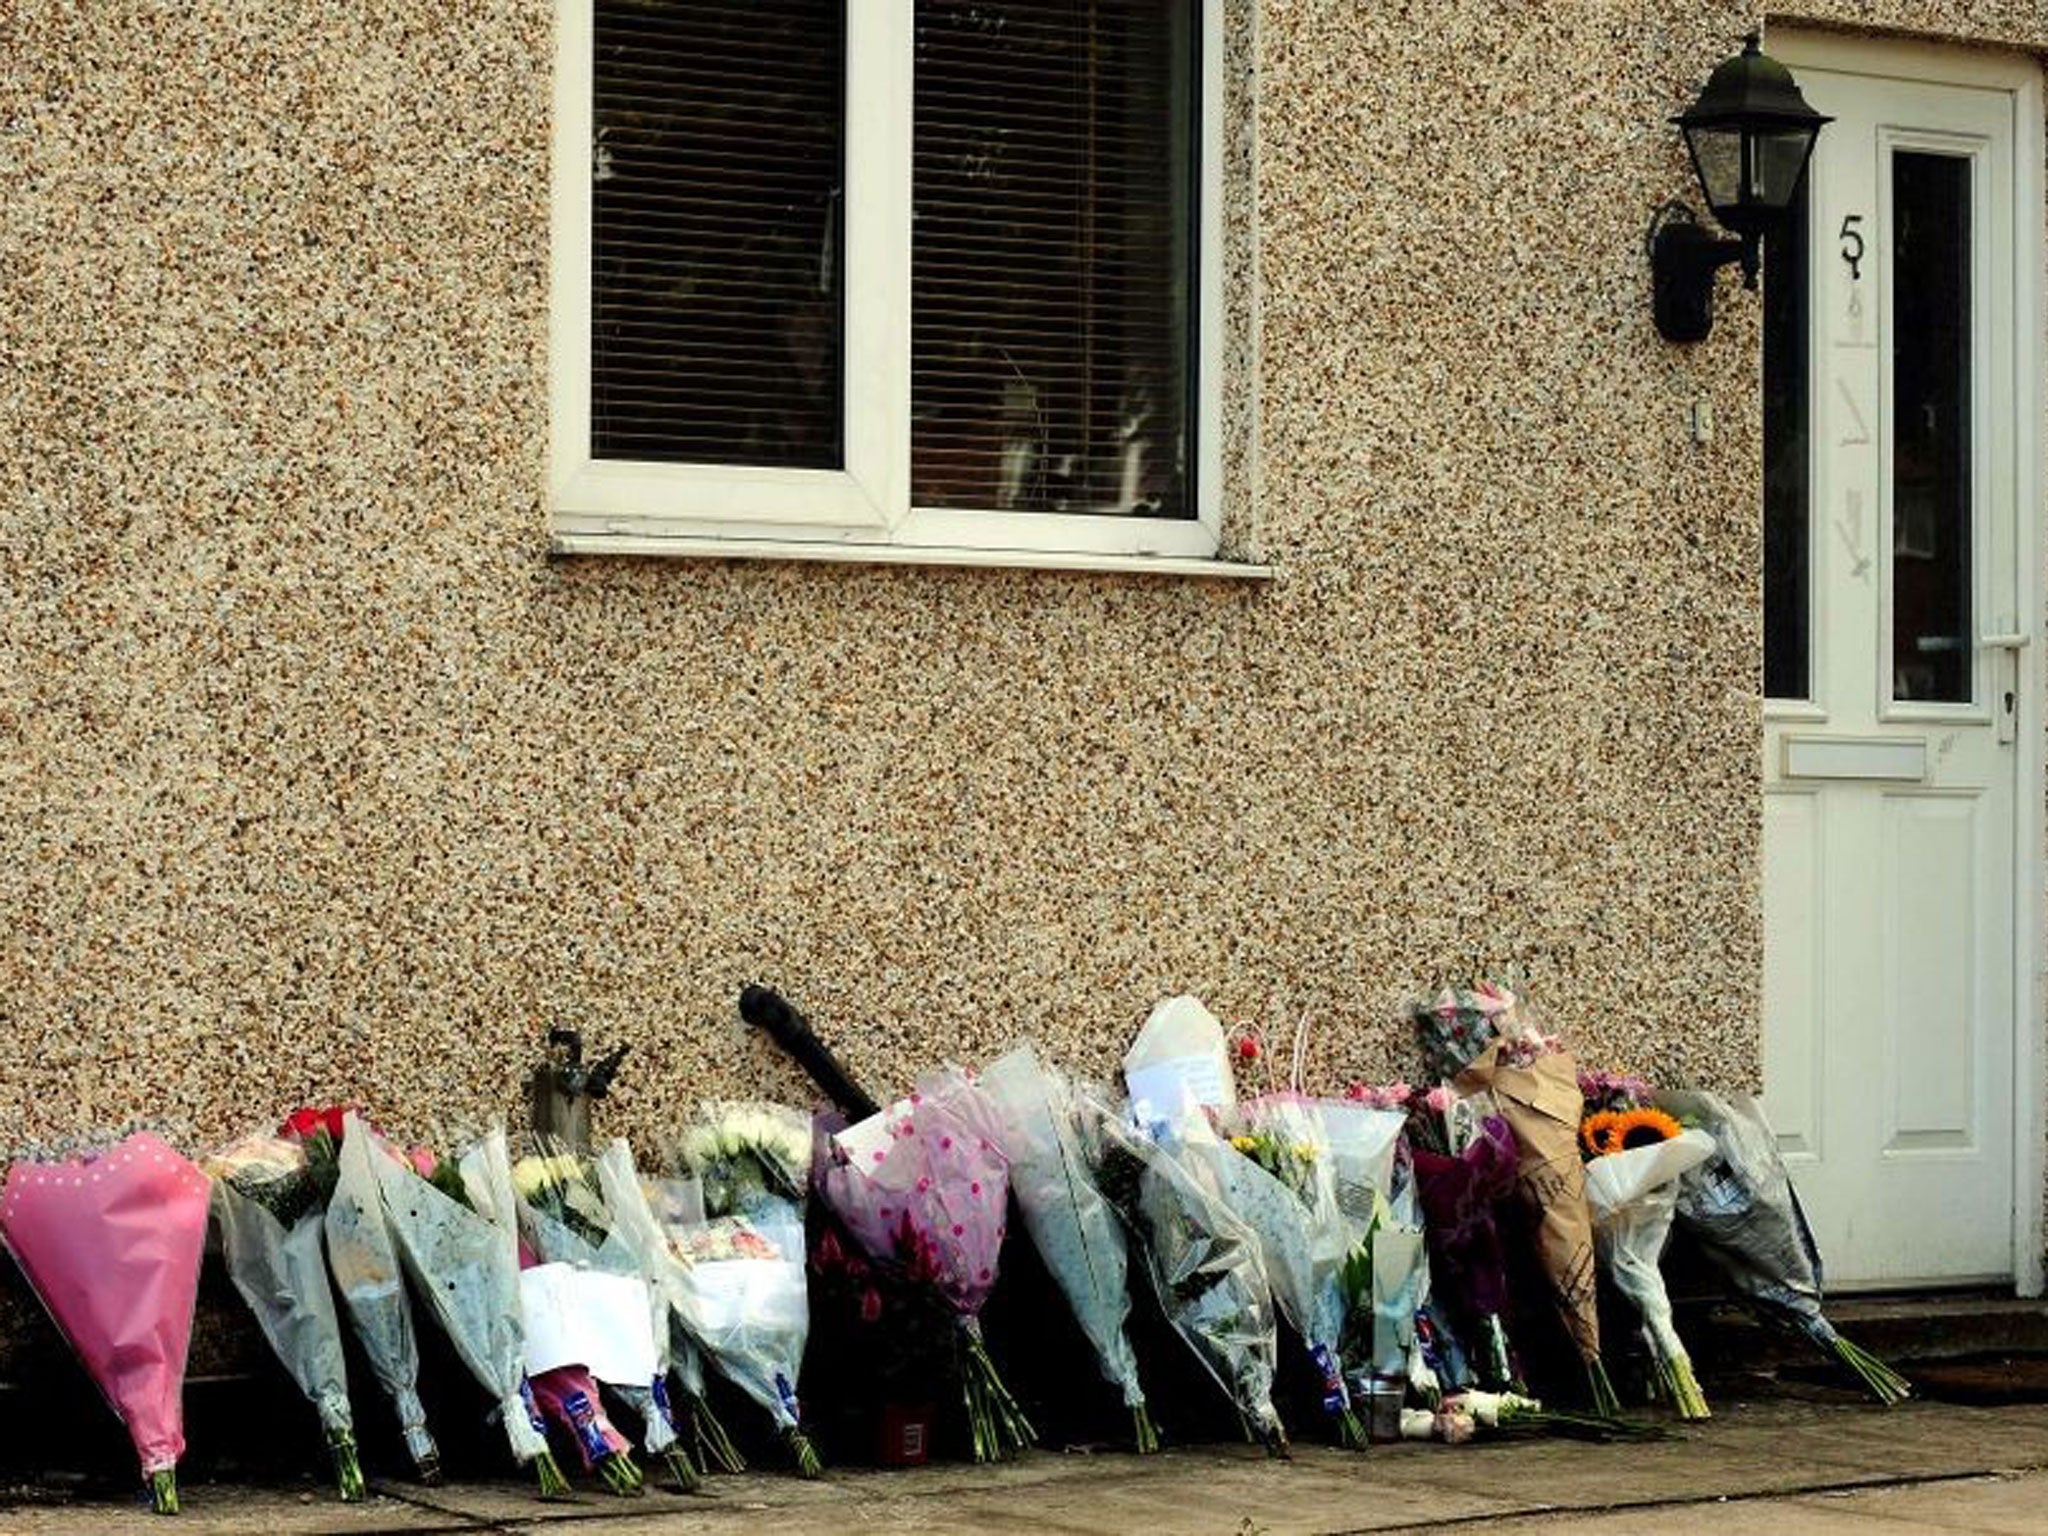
{"x":562,"y":1088}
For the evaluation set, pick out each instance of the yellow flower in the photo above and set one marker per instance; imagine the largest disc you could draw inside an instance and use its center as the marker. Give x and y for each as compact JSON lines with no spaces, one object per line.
{"x":1594,"y":1131}
{"x":1641,"y":1128}
{"x":1245,"y":1143}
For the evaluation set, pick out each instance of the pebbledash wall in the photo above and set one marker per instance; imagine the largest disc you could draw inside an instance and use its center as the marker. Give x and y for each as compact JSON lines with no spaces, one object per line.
{"x":320,"y":778}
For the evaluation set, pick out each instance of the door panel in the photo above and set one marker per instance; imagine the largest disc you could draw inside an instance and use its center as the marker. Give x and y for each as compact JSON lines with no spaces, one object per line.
{"x":1889,"y":831}
{"x":1794,"y":965}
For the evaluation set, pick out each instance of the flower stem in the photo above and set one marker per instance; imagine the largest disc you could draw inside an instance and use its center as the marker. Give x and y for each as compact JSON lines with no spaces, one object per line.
{"x":1884,"y":1383}
{"x":1605,"y":1403}
{"x":803,"y":1452}
{"x":620,"y":1475}
{"x":713,"y":1443}
{"x":552,"y":1484}
{"x":1683,"y":1388}
{"x":348,"y":1471}
{"x":1350,"y":1432}
{"x":163,"y":1491}
{"x":1141,"y":1426}
{"x":687,"y":1478}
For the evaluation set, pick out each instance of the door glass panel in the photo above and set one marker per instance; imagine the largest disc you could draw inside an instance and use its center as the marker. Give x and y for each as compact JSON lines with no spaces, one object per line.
{"x":1931,"y":436}
{"x":1788,"y":459}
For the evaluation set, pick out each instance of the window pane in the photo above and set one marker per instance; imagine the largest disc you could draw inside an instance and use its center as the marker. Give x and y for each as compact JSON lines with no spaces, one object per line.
{"x":1052,"y":257}
{"x":1788,"y":459}
{"x":1932,"y":643}
{"x":715,"y":232}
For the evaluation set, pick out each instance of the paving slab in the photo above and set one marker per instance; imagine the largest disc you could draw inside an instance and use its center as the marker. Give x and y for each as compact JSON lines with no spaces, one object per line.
{"x":234,"y":1512}
{"x":1794,"y":1464}
{"x":2016,"y":1506}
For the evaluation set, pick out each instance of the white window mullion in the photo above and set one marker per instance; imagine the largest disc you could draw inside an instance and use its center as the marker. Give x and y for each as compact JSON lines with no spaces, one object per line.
{"x":881,"y":52}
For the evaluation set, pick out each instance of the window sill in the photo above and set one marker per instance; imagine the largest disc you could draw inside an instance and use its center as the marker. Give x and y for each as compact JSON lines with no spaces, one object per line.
{"x":639,"y":545}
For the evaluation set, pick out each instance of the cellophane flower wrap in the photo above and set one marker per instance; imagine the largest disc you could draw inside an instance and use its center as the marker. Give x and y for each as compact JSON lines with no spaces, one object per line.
{"x":363,"y":1259}
{"x":271,"y":1207}
{"x":1202,"y":1259}
{"x":566,"y":1218}
{"x":1276,"y":1173}
{"x":644,"y":1211}
{"x":1075,"y":1229}
{"x":605,"y":1303}
{"x":1534,"y":1084}
{"x":1461,"y":1193}
{"x":922,"y":1186}
{"x":636,"y":1236}
{"x":1741,"y":1207}
{"x":111,"y":1245}
{"x":466,"y":1266}
{"x":1634,"y":1197}
{"x":1455,"y":1026}
{"x":1360,"y":1141}
{"x":740,"y":1280}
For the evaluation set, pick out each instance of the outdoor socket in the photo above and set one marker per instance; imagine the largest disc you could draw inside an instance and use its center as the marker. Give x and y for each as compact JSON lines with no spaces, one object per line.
{"x":562,"y":1087}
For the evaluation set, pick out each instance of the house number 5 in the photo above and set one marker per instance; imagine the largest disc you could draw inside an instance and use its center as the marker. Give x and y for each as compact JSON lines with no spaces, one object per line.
{"x":1852,"y":246}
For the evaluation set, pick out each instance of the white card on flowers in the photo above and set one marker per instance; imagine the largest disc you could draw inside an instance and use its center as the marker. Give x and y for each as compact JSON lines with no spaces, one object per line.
{"x":586,"y":1317}
{"x":1178,"y":1060}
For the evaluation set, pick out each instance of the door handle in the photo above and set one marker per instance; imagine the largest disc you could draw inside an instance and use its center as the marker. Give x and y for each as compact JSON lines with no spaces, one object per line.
{"x":2019,"y":639}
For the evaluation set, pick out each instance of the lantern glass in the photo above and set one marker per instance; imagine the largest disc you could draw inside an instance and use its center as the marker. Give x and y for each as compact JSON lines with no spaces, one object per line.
{"x":1777,"y":161}
{"x":1717,"y":157}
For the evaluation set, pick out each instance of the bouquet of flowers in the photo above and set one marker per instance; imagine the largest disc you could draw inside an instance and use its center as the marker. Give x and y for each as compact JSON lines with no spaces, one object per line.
{"x":1632,"y":1189}
{"x":1404,"y":1341}
{"x":467,"y":1266}
{"x":1741,"y":1206}
{"x":738,"y":1275}
{"x":565,"y":1219}
{"x":270,"y":1202}
{"x":563,"y":1324}
{"x":1361,"y":1134}
{"x":1077,"y":1233}
{"x":1459,"y":1023}
{"x":1203,"y":1261}
{"x":1460,"y":1191}
{"x":364,"y":1262}
{"x":677,"y":1202}
{"x":1535,"y":1085}
{"x":111,"y":1244}
{"x":922,"y":1186}
{"x":1275,"y":1175}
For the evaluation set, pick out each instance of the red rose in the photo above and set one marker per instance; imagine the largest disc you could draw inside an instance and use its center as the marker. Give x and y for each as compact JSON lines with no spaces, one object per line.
{"x":1248,"y":1049}
{"x":300,"y":1124}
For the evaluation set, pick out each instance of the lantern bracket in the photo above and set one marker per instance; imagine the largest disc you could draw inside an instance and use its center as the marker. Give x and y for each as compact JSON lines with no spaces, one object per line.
{"x":1684,"y":258}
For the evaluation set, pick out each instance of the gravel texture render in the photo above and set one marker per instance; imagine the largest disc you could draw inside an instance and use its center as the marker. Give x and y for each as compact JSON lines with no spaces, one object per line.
{"x":319,"y":777}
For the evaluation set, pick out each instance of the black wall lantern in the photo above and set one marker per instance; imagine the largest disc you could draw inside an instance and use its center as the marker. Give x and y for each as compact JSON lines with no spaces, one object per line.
{"x":1750,"y":134}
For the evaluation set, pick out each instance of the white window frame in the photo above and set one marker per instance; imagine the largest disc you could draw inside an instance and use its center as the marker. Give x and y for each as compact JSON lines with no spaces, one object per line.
{"x":862,"y":511}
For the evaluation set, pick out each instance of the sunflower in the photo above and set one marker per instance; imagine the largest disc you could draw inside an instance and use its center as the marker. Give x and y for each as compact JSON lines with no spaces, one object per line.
{"x":1594,"y":1131}
{"x":1640,"y":1128}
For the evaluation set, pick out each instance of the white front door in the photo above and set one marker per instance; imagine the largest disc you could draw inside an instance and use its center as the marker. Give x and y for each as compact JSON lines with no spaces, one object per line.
{"x":1893,"y":599}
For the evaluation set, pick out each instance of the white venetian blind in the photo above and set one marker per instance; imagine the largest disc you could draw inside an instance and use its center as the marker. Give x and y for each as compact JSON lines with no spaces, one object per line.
{"x":1052,"y":255}
{"x":715,"y":231}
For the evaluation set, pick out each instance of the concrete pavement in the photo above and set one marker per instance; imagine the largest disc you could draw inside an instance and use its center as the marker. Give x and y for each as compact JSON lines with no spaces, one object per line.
{"x":1784,"y":1464}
